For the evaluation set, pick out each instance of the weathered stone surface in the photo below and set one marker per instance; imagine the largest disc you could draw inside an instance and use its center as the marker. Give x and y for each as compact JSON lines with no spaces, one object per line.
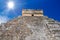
{"x":30,"y":28}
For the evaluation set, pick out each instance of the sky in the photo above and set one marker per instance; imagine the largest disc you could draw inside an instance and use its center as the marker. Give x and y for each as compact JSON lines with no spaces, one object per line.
{"x":51,"y":8}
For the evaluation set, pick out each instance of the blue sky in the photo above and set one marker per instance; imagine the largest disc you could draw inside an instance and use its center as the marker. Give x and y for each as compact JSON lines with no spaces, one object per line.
{"x":51,"y":8}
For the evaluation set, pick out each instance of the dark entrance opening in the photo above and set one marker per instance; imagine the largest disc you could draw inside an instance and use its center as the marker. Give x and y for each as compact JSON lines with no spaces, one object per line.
{"x":32,"y":14}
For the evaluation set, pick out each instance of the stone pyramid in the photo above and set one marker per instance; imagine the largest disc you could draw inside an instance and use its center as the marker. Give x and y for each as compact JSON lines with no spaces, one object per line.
{"x":30,"y":28}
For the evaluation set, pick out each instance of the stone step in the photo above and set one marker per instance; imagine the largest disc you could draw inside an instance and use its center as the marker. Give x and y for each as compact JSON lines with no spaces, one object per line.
{"x":57,"y":35}
{"x":57,"y":38}
{"x":54,"y":29}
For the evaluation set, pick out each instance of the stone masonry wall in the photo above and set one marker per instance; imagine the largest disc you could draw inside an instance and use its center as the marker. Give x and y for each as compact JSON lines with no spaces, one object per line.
{"x":30,"y":28}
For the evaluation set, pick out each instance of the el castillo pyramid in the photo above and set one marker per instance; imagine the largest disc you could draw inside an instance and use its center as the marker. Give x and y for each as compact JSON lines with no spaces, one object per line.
{"x":32,"y":25}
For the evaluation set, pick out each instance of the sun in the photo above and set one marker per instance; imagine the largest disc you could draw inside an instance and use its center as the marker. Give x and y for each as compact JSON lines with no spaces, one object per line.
{"x":10,"y":5}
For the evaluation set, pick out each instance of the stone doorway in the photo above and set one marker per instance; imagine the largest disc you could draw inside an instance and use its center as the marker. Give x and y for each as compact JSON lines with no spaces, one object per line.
{"x":32,"y":14}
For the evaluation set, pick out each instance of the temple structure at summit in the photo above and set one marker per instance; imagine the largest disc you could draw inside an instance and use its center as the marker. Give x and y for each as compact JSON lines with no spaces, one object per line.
{"x":31,"y":12}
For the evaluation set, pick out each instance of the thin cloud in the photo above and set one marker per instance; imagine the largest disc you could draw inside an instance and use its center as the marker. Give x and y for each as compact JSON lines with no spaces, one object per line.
{"x":3,"y":19}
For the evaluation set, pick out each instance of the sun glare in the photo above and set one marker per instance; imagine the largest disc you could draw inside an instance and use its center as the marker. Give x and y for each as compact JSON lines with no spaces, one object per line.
{"x":10,"y":5}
